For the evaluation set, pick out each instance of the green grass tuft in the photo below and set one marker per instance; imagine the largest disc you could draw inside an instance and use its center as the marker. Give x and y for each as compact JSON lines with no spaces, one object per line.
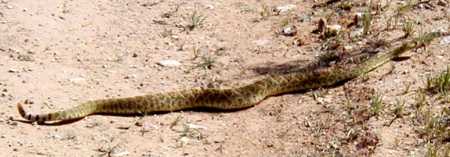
{"x":376,"y":104}
{"x":440,"y":83}
{"x":196,"y":20}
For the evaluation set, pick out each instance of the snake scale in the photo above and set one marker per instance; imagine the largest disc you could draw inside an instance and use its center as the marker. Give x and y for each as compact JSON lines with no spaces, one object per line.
{"x":230,"y":98}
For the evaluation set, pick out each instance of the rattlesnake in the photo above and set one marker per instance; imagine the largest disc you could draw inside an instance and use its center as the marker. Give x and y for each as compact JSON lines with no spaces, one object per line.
{"x":230,"y":98}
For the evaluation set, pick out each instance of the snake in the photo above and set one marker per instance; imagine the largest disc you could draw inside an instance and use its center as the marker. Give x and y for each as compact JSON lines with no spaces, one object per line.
{"x":232,"y":98}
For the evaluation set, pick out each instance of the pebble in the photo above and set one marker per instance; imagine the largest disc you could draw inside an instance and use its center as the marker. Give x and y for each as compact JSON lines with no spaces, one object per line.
{"x":118,"y":151}
{"x":132,"y":76}
{"x":209,"y":6}
{"x":445,"y":40}
{"x":442,"y":3}
{"x":305,"y":18}
{"x":169,"y":63}
{"x":13,"y":70}
{"x":356,"y":33}
{"x":332,"y":30}
{"x":195,"y":126}
{"x":289,"y":31}
{"x":348,"y":47}
{"x":77,"y":80}
{"x":284,"y":9}
{"x":261,"y":42}
{"x":123,"y":153}
{"x":56,"y":136}
{"x":336,"y":28}
{"x":185,"y":140}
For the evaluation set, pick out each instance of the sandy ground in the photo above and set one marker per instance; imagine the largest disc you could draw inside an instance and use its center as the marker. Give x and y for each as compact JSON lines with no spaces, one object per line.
{"x":56,"y":54}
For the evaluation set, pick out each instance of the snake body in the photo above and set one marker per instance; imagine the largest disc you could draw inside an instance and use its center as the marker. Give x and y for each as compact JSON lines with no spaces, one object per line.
{"x":228,"y":98}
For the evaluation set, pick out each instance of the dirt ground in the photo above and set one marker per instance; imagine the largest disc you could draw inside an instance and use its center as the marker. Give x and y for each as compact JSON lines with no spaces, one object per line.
{"x":57,"y":54}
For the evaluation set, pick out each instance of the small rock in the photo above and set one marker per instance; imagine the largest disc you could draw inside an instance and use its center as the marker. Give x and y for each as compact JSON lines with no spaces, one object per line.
{"x":118,"y":151}
{"x":13,"y":70}
{"x":124,"y":153}
{"x":55,"y":136}
{"x":132,"y":76}
{"x":305,"y":18}
{"x":332,"y":30}
{"x":358,"y":19}
{"x":169,"y":63}
{"x":261,"y":42}
{"x":209,"y":6}
{"x":284,"y":9}
{"x":28,"y":101}
{"x":356,"y":33}
{"x":299,"y":41}
{"x":348,"y":47}
{"x":195,"y":126}
{"x":442,"y":3}
{"x":135,"y":55}
{"x":77,"y":80}
{"x":289,"y":31}
{"x":185,"y":140}
{"x":445,"y":40}
{"x":335,"y":28}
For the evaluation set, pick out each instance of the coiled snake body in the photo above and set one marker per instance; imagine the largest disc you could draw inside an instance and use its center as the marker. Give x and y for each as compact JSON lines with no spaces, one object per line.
{"x":231,"y":98}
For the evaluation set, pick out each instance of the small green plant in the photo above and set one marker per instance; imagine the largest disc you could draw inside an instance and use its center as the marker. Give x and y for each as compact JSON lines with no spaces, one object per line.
{"x":408,"y":29}
{"x":187,"y":131}
{"x":207,"y":62}
{"x":431,"y":150}
{"x":440,"y":83}
{"x":196,"y":20}
{"x":265,"y":12}
{"x":434,"y":125}
{"x":398,"y":111}
{"x":406,"y":7}
{"x":376,"y":105}
{"x":386,"y":6}
{"x":421,"y":99}
{"x":367,"y":20}
{"x":346,"y":5}
{"x":407,"y":89}
{"x":390,"y":23}
{"x":285,"y":22}
{"x":437,"y":150}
